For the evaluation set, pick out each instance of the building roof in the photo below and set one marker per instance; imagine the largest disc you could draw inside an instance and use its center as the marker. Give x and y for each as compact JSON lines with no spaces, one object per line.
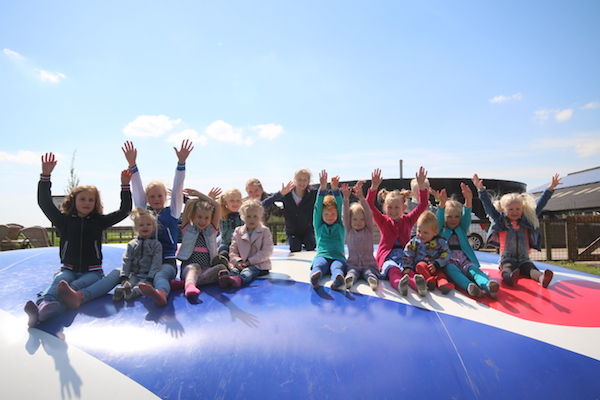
{"x":591,"y":175}
{"x":575,"y":198}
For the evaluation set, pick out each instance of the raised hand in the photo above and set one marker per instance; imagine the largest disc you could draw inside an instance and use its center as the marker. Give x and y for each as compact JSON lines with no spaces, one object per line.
{"x":376,"y":179}
{"x":466,"y":191}
{"x":421,"y":175}
{"x":191,"y":192}
{"x":358,"y":189}
{"x":125,"y":177}
{"x":285,"y":189}
{"x":477,"y":182}
{"x":555,"y":182}
{"x":215,"y":192}
{"x":443,"y":197}
{"x":184,"y":151}
{"x":435,"y":193}
{"x":323,"y":180}
{"x":345,"y":190}
{"x":48,"y":163}
{"x":130,"y":152}
{"x":335,"y":183}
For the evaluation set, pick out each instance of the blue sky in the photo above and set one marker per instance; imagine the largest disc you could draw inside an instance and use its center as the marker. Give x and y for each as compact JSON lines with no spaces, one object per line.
{"x":509,"y":89}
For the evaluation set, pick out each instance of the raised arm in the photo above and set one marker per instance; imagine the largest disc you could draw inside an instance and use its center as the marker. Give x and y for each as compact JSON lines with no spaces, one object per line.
{"x":358,"y":192}
{"x":278,"y":196}
{"x":346,"y":206}
{"x":177,"y":191}
{"x":137,"y":188}
{"x":372,"y":195}
{"x":210,"y":199}
{"x":125,"y":208}
{"x":486,"y":200}
{"x":318,"y":210}
{"x":545,"y":197}
{"x":421,"y":177}
{"x":335,"y":184}
{"x":44,"y":194}
{"x":465,"y":220}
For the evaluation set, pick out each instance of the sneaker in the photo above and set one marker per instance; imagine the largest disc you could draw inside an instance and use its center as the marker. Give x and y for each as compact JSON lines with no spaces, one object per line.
{"x":119,"y":294}
{"x":133,"y":294}
{"x":349,"y":282}
{"x":219,"y":259}
{"x":32,"y":312}
{"x":338,"y":282}
{"x":314,"y":279}
{"x":403,"y":285}
{"x":421,"y":285}
{"x":431,"y":283}
{"x":473,"y":290}
{"x":510,"y":278}
{"x":493,"y":288}
{"x":546,"y":278}
{"x":373,"y":282}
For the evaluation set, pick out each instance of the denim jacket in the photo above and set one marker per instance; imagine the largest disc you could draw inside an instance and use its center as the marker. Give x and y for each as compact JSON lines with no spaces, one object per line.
{"x":188,"y":241}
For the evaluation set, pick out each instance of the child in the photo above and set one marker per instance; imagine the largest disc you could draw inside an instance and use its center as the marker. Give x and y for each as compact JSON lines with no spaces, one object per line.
{"x":251,"y":248}
{"x":454,"y":221}
{"x":80,"y":225}
{"x":200,"y":262}
{"x":255,"y":191}
{"x":358,"y":222}
{"x":298,"y":204}
{"x":230,"y":203}
{"x":395,"y":228}
{"x":515,"y":228}
{"x":427,"y":254}
{"x":327,"y":220}
{"x":167,"y":232}
{"x":143,"y":257}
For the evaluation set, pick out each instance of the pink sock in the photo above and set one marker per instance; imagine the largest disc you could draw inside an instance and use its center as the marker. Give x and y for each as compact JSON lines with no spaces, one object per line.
{"x":394,"y":275}
{"x":191,"y":290}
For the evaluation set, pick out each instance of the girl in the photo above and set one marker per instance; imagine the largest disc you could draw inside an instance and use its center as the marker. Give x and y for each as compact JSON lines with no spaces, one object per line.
{"x":327,"y":219}
{"x":515,"y":228}
{"x":255,"y":191}
{"x":395,"y":228}
{"x":427,"y":254}
{"x":463,"y":269}
{"x":358,"y":222}
{"x":200,"y":262}
{"x":251,"y":248}
{"x":167,"y":232}
{"x":298,"y":206}
{"x":80,"y":225}
{"x":229,"y":203}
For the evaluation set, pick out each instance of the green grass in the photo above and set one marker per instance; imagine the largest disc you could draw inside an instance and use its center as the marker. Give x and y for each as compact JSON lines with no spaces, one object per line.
{"x":589,"y":268}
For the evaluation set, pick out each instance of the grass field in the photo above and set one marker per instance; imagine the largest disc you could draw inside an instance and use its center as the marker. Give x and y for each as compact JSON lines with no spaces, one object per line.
{"x":591,"y":268}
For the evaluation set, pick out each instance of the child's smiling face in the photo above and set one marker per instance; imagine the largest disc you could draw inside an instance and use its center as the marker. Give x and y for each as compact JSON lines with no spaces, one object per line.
{"x":233,"y":202}
{"x":145,"y":226}
{"x":85,"y":203}
{"x":426,"y":232}
{"x":452,"y":217}
{"x":394,"y":207}
{"x":514,"y":210}
{"x":202,"y":219}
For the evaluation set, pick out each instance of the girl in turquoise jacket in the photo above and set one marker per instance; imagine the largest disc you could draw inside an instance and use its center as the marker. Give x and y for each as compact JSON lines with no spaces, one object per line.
{"x":463,"y":269}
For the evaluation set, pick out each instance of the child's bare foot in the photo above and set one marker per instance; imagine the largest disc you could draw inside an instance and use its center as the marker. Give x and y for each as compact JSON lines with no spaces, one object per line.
{"x":421,"y":285}
{"x":158,"y":296}
{"x":32,"y":312}
{"x":191,"y":291}
{"x":72,"y":298}
{"x":493,"y":288}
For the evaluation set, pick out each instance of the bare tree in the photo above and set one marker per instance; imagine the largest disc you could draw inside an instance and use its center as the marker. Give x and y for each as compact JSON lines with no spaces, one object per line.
{"x":73,"y":178}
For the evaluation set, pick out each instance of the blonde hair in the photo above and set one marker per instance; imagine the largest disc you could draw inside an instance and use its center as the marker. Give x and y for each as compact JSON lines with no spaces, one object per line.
{"x":329,"y":202}
{"x":222,"y":201}
{"x":356,"y":206}
{"x":254,"y":182}
{"x":251,"y":204}
{"x":68,"y":205}
{"x":192,"y":206}
{"x":414,"y":188}
{"x":528,"y":202}
{"x":386,"y":196}
{"x":156,"y":184}
{"x":303,"y":171}
{"x":138,"y":213}
{"x":454,"y":205}
{"x":427,"y":218}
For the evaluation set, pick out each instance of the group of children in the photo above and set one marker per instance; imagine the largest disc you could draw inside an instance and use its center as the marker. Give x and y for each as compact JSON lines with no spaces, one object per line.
{"x":224,"y":239}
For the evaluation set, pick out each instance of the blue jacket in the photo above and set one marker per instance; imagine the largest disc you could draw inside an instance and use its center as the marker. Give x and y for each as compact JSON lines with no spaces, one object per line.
{"x":461,"y":231}
{"x":500,"y":222}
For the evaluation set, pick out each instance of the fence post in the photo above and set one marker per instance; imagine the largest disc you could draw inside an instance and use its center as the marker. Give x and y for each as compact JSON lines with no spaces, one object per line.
{"x":572,"y":238}
{"x":545,"y":222}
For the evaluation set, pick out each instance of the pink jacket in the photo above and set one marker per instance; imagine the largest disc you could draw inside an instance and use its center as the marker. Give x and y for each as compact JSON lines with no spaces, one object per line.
{"x":255,"y":249}
{"x":392,"y":230}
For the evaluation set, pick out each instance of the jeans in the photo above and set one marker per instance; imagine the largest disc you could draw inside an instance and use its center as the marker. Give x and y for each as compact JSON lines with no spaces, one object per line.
{"x":77,"y":280}
{"x":248,"y":274}
{"x":102,"y":287}
{"x":162,"y":279}
{"x":363,"y":273}
{"x":307,"y":239}
{"x":328,"y":265}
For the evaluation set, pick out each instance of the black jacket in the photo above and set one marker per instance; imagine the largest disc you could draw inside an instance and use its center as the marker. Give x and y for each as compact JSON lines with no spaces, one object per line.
{"x":298,"y":218}
{"x":81,"y":237}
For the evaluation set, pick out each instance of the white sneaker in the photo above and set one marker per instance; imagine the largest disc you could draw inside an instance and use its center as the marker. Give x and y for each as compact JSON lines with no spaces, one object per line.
{"x":373,"y":282}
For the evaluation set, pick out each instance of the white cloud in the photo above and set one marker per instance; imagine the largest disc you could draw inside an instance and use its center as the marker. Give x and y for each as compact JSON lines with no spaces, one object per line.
{"x":13,"y":55}
{"x":558,"y":115}
{"x":503,"y":99}
{"x":21,"y":157}
{"x":591,"y":105}
{"x":224,"y":132}
{"x":150,"y":126}
{"x":189,"y":134}
{"x":51,"y":77}
{"x":584,"y":144}
{"x":268,"y":131}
